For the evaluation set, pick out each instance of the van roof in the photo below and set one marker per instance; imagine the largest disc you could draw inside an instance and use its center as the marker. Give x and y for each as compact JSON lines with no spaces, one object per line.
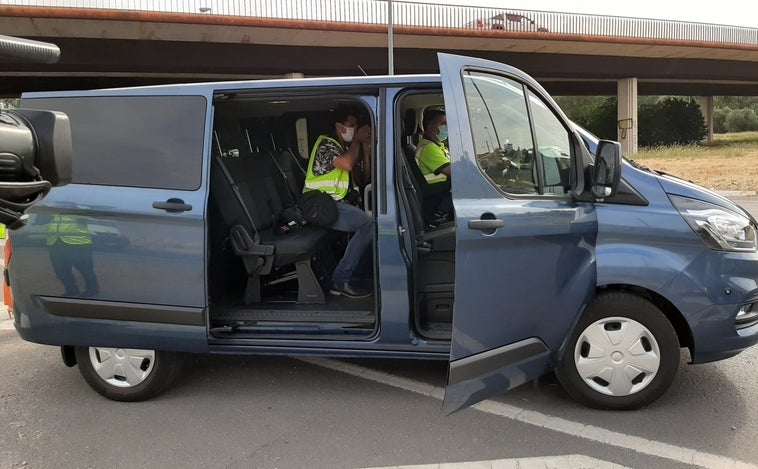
{"x":224,"y":86}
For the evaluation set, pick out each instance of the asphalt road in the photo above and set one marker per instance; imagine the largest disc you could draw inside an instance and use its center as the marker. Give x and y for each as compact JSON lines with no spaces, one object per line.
{"x":277,"y":412}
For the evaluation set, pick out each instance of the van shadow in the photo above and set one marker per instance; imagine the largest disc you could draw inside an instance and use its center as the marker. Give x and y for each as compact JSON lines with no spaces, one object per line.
{"x":703,"y":398}
{"x":701,"y":409}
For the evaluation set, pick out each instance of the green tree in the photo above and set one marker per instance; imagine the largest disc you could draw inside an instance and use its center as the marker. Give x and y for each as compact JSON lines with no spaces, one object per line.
{"x":595,"y":113}
{"x":9,"y":103}
{"x":719,"y":119}
{"x":671,"y":121}
{"x":741,"y":120}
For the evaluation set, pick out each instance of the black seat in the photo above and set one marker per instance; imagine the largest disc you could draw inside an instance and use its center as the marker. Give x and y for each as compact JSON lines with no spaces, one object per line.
{"x":431,"y":194}
{"x":428,"y":238}
{"x":246,"y":188}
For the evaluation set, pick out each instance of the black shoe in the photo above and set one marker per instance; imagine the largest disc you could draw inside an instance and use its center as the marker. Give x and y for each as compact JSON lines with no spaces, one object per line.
{"x":345,"y":289}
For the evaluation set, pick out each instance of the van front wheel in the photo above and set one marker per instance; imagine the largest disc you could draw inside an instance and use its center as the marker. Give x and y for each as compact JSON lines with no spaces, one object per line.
{"x":127,"y":374}
{"x":623,"y":354}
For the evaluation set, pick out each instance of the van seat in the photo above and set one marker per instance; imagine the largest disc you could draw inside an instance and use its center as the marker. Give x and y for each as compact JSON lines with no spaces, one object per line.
{"x":428,"y":238}
{"x":253,"y":222}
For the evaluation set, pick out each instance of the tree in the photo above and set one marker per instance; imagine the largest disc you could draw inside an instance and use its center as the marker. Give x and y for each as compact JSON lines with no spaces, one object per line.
{"x":741,"y":120}
{"x":671,"y":121}
{"x":595,"y":113}
{"x":6,"y":103}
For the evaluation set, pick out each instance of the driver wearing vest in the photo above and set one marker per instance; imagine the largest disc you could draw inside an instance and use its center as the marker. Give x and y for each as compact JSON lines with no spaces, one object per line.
{"x":332,"y":160}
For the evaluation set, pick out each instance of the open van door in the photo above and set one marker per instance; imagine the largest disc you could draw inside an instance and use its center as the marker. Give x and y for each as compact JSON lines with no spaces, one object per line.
{"x":525,"y":247}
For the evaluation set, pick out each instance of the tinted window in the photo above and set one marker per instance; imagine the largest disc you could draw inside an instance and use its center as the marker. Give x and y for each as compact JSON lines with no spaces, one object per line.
{"x":503,"y":136}
{"x":145,"y":141}
{"x":500,"y":127}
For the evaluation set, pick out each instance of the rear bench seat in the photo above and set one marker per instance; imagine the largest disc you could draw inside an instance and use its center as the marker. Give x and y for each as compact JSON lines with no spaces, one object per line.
{"x":253,"y":221}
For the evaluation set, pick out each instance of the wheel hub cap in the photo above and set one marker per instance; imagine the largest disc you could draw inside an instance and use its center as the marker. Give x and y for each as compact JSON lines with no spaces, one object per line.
{"x":122,"y":367}
{"x":617,"y":356}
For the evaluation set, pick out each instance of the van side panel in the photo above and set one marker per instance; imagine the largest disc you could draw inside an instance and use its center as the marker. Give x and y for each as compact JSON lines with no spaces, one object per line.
{"x":653,"y":247}
{"x":117,"y":257}
{"x":644,"y":246}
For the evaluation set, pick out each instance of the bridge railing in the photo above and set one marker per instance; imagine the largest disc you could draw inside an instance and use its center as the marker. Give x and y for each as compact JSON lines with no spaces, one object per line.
{"x":407,"y":13}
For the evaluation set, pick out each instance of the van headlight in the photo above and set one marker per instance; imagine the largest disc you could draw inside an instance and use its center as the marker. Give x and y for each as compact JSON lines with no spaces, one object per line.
{"x":720,"y":229}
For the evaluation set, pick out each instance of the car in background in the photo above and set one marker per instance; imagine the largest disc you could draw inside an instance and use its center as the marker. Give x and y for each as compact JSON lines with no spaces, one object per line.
{"x":507,"y":22}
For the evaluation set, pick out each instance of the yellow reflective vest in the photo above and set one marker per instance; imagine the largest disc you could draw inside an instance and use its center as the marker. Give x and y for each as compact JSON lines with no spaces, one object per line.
{"x":335,"y":183}
{"x":70,"y":229}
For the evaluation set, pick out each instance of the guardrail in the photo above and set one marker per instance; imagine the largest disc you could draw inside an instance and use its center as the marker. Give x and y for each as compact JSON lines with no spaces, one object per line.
{"x":406,"y":13}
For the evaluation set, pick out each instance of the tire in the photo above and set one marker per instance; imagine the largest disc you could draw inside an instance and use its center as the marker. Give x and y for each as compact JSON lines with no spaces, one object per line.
{"x":623,"y":354}
{"x":127,"y":375}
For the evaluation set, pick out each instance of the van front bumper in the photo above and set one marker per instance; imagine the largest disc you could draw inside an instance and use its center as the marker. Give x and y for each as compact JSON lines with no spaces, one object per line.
{"x":710,"y":293}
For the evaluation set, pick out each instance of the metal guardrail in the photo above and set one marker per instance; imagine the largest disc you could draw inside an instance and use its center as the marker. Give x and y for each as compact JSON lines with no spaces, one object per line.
{"x":406,"y":13}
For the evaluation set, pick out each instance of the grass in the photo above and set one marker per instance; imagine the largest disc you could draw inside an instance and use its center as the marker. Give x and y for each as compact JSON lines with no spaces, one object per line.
{"x":730,"y":162}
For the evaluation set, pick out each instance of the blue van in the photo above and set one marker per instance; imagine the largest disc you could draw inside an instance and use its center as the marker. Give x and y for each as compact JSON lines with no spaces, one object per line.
{"x":561,"y":256}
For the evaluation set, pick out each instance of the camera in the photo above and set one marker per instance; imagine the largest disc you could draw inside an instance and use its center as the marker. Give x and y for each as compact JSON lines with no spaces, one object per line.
{"x":35,"y":145}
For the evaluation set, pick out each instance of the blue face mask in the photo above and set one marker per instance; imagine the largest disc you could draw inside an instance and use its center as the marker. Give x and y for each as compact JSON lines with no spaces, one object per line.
{"x":442,"y":133}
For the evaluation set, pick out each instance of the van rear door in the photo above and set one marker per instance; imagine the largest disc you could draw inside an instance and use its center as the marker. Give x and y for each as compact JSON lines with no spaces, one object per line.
{"x":525,"y":247}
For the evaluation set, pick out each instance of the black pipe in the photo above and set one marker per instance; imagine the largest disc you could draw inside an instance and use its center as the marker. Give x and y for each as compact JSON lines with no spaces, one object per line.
{"x":28,"y":50}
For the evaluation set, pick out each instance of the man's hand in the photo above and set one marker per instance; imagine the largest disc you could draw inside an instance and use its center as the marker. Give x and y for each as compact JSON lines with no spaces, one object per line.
{"x":363,"y":134}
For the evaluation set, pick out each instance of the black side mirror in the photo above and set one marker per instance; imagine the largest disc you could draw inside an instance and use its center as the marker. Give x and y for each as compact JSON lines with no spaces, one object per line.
{"x":607,"y":171}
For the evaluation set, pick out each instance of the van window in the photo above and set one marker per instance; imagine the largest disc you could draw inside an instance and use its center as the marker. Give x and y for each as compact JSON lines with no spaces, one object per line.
{"x":553,"y":146}
{"x":503,"y":137}
{"x":145,"y":141}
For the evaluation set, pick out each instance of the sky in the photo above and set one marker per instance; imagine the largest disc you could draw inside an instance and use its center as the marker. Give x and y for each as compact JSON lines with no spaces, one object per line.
{"x":726,"y":12}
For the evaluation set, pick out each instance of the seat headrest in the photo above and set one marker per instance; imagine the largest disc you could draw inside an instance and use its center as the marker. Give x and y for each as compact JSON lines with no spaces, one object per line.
{"x":410,"y":123}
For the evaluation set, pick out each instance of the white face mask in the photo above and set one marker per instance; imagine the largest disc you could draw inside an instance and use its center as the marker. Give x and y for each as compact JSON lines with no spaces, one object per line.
{"x":348,"y":134}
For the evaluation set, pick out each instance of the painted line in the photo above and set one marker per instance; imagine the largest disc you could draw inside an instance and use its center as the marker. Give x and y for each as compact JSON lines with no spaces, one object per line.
{"x":574,"y":461}
{"x":576,"y":429}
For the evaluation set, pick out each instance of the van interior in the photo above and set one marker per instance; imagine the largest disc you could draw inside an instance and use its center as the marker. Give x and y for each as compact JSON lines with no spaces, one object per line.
{"x":269,"y":282}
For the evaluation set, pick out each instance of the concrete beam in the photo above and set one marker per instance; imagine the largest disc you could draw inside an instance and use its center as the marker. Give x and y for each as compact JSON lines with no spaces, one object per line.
{"x":627,"y":115}
{"x":706,"y":107}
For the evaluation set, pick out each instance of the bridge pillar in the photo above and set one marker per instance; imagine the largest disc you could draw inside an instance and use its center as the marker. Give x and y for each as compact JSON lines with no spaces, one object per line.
{"x":627,"y":115}
{"x":706,"y":107}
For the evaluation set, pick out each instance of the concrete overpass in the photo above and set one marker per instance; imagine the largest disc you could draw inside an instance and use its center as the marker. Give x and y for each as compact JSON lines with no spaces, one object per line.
{"x":568,"y":54}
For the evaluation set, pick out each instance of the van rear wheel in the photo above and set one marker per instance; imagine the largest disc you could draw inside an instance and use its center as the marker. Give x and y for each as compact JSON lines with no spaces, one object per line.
{"x":127,"y":374}
{"x":623,"y":354}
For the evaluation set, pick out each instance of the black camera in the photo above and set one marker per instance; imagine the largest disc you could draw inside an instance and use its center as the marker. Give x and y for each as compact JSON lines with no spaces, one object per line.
{"x":35,"y":146}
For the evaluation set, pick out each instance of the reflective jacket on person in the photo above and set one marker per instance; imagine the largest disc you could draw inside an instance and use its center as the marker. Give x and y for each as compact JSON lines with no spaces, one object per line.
{"x":432,"y":157}
{"x":335,"y":183}
{"x":69,"y":229}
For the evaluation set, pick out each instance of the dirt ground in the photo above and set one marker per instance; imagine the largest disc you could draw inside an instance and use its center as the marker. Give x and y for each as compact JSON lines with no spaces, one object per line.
{"x":721,"y":172}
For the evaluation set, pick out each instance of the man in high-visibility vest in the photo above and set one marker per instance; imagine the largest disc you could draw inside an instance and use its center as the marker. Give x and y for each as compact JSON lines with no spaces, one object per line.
{"x":433,"y":158}
{"x":332,"y":160}
{"x":70,"y":246}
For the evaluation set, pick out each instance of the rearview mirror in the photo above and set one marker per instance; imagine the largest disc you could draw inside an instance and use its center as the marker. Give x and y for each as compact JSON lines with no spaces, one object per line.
{"x":607,"y":171}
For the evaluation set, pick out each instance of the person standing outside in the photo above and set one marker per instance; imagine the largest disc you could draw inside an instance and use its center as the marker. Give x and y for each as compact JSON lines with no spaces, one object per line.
{"x":332,"y":160}
{"x":433,"y":158}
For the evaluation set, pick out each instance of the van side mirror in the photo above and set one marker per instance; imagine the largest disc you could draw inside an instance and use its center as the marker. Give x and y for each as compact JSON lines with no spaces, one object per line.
{"x":607,"y":171}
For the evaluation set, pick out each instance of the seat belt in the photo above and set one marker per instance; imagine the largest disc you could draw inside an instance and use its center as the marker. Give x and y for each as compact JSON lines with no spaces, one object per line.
{"x":236,"y":190}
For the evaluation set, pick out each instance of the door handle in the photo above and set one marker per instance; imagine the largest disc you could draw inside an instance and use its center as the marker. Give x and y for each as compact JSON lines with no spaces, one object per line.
{"x":485,"y":224}
{"x":172,"y":205}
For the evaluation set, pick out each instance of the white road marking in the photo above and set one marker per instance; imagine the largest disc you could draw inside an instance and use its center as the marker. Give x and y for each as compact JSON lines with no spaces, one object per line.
{"x":574,"y":461}
{"x":576,"y":429}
